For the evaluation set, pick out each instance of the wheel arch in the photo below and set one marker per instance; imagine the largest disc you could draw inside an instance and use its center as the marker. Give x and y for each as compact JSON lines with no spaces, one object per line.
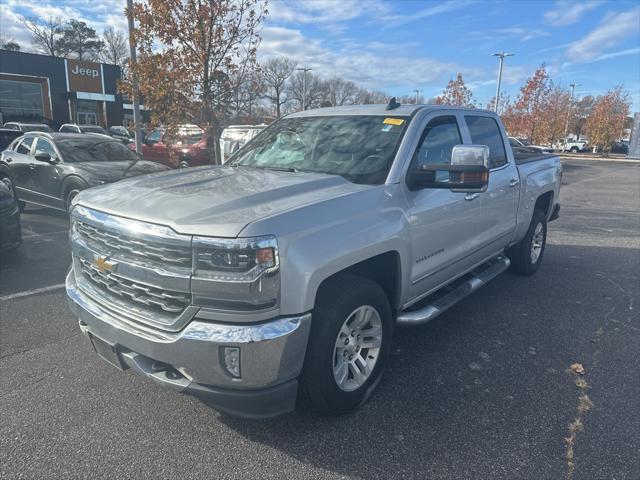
{"x":71,"y":181}
{"x":384,"y":269}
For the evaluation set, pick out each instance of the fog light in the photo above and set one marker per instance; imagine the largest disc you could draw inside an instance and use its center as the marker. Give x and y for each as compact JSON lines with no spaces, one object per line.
{"x":231,"y":357}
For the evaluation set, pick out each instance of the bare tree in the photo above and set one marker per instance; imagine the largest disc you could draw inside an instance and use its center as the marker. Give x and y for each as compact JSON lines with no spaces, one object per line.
{"x":340,"y":91}
{"x":45,"y":34}
{"x":365,"y":97}
{"x":116,"y":49}
{"x":312,"y":92}
{"x":275,"y":73}
{"x":8,"y":43}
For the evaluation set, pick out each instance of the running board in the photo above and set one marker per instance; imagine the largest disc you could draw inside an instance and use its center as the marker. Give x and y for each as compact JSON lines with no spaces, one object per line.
{"x":445,"y":301}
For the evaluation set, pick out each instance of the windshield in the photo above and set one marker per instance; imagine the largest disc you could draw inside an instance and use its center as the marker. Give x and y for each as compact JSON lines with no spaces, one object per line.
{"x":36,"y":128}
{"x":94,"y":150}
{"x":119,"y":131}
{"x":185,"y":137}
{"x":359,"y":148}
{"x":93,"y":129}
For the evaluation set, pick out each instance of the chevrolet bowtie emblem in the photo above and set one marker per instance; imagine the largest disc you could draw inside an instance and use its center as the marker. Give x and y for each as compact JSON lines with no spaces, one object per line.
{"x":103,"y":265}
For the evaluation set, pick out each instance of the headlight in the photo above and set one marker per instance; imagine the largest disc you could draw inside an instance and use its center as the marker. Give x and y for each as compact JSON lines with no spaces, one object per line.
{"x":236,"y":274}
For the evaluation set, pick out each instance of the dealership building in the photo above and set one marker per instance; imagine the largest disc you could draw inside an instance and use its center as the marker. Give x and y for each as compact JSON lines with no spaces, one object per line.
{"x":57,"y":90}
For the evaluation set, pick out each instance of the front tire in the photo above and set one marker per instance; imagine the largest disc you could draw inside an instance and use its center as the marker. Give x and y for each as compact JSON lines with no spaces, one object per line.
{"x":574,"y":149}
{"x":526,"y":256}
{"x":349,"y":344}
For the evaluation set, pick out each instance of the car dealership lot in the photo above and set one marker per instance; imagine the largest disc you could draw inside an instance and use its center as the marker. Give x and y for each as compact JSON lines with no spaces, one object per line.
{"x":481,"y":392}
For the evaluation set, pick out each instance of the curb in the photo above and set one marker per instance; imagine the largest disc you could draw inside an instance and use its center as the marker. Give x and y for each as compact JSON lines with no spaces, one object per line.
{"x":566,"y":158}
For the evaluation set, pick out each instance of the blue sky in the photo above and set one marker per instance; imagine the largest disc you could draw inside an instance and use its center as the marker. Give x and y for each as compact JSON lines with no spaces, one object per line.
{"x":403,"y":45}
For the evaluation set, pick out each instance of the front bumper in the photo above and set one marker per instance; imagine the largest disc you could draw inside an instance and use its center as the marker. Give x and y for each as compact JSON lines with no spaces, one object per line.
{"x":191,"y":360}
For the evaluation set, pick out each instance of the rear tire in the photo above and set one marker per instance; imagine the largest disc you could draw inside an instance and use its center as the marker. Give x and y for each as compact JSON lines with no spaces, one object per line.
{"x":574,"y":149}
{"x":526,"y":256}
{"x":349,"y":343}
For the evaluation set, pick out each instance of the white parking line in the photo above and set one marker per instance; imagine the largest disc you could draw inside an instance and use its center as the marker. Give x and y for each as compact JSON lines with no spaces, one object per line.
{"x":28,"y":293}
{"x":44,"y":234}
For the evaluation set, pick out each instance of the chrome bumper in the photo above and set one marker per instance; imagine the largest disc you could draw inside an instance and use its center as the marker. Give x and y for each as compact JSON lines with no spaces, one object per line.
{"x":271,"y":355}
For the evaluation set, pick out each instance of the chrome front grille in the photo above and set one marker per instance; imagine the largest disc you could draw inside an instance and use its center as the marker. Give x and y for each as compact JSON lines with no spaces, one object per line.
{"x":168,"y":301}
{"x":143,"y":250}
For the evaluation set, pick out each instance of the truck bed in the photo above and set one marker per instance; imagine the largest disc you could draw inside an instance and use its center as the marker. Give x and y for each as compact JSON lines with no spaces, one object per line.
{"x":526,"y":157}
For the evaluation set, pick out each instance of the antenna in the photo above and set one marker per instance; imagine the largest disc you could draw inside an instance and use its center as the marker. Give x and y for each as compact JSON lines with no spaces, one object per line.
{"x":392,"y":104}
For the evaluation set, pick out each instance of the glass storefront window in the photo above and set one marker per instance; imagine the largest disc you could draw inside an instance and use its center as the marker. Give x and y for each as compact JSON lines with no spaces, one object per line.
{"x":21,"y":99}
{"x":87,"y":112}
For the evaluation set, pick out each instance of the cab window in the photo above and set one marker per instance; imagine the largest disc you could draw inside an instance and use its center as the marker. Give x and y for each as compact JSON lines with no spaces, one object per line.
{"x":24,"y":147}
{"x":437,"y":142}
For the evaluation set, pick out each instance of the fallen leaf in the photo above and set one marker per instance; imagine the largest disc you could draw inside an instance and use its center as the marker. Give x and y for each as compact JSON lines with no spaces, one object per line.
{"x":577,"y":368}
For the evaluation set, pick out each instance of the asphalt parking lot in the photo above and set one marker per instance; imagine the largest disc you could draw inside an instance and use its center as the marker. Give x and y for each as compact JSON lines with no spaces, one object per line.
{"x":481,"y":392}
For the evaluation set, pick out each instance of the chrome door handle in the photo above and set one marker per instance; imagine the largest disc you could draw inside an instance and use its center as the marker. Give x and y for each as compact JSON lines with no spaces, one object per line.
{"x":471,"y":196}
{"x":514,"y":182}
{"x":32,"y":167}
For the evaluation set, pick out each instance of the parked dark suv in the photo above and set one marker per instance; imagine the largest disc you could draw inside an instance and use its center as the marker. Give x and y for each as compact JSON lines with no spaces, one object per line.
{"x":49,"y":169}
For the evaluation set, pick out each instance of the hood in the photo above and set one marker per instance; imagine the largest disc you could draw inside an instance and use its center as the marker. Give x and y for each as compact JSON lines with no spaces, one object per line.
{"x":214,"y":201}
{"x":109,"y":172}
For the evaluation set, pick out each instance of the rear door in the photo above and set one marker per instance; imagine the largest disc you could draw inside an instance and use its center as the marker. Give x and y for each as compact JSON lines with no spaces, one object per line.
{"x":500,"y":200}
{"x":442,"y":224}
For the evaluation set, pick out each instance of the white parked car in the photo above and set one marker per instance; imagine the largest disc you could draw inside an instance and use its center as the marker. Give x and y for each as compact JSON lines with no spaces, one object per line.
{"x":573,"y":146}
{"x":236,"y":136}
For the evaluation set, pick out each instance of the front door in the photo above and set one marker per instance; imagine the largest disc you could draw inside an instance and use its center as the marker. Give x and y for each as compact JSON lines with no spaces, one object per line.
{"x":443,"y":224}
{"x":46,"y":176}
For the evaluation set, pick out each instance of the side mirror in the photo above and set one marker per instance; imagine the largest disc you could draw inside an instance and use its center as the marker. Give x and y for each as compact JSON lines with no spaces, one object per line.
{"x":467,"y":172}
{"x":44,"y":157}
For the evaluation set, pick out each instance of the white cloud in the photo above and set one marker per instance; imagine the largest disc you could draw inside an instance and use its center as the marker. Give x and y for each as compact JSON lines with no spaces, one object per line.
{"x":621,"y":53}
{"x":522,"y":33}
{"x":434,"y":9}
{"x":11,"y":27}
{"x":323,"y":11}
{"x":374,"y":65}
{"x":612,"y":30}
{"x":567,"y":12}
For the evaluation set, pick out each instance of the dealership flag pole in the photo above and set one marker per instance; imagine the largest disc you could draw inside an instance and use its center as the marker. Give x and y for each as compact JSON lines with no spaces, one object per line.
{"x":134,"y":79}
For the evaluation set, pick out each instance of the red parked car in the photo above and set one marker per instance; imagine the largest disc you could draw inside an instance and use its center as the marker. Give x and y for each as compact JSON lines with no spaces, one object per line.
{"x":190,"y":147}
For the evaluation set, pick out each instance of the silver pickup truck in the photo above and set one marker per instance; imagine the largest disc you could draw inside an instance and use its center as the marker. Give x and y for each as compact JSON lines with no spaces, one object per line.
{"x":285,"y":272}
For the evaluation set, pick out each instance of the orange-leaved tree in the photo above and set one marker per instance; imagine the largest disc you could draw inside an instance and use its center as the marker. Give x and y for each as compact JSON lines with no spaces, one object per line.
{"x":607,"y":119}
{"x":456,"y":93}
{"x":190,"y":53}
{"x":529,"y":109}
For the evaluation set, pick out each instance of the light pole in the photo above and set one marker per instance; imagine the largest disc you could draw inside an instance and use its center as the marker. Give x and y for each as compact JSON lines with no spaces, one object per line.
{"x":304,"y":86}
{"x":566,"y":125}
{"x":417,"y":95}
{"x":134,"y":80}
{"x":500,"y":55}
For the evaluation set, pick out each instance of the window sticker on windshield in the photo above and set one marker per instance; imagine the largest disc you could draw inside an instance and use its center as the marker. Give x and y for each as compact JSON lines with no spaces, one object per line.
{"x":386,"y":128}
{"x":393,"y":121}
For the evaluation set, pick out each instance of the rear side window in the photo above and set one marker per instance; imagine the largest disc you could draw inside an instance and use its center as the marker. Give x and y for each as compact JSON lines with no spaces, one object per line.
{"x":25,"y":146}
{"x":485,"y":131}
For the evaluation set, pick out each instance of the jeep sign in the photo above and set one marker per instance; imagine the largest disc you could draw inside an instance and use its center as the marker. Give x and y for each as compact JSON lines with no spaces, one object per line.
{"x":89,"y":72}
{"x":84,"y":76}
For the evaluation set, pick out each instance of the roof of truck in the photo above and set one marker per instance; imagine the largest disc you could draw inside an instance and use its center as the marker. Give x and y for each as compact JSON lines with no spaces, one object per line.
{"x":377,"y":109}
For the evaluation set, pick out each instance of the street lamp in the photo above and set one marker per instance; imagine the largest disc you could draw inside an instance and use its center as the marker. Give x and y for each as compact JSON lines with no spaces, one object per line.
{"x":566,"y":125}
{"x":417,"y":95}
{"x":304,"y":87}
{"x":500,"y":55}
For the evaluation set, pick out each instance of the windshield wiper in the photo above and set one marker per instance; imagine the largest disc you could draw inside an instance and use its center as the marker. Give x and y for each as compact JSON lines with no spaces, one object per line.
{"x":277,"y":169}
